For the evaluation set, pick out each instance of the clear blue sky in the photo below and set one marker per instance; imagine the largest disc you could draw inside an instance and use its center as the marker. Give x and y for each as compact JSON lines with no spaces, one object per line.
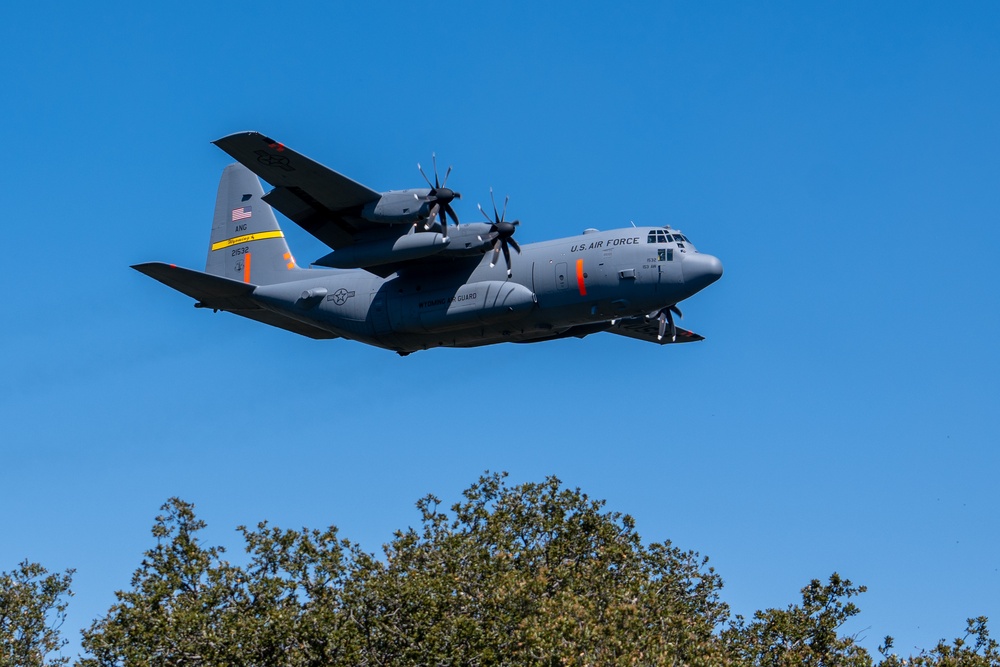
{"x":842,"y":159}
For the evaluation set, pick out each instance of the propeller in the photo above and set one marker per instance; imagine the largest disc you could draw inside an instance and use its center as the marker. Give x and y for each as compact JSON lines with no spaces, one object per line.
{"x":501,"y":233}
{"x":666,"y":319}
{"x":439,"y":197}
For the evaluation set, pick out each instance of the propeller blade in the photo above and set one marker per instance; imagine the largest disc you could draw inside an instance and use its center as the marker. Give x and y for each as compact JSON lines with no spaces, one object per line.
{"x":670,"y":321}
{"x":496,"y":216}
{"x":480,"y":206}
{"x":450,"y":211}
{"x":677,"y":310}
{"x":440,"y":197}
{"x":501,"y":232}
{"x":420,"y":169}
{"x":663,"y":325}
{"x":430,"y":218}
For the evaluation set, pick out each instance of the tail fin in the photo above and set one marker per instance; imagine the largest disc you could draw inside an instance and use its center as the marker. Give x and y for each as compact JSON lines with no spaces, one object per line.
{"x":247,"y":244}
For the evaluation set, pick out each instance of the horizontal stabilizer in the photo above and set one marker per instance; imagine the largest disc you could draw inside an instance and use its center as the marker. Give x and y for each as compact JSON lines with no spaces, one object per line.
{"x":221,"y":293}
{"x":212,"y":291}
{"x":288,"y":324}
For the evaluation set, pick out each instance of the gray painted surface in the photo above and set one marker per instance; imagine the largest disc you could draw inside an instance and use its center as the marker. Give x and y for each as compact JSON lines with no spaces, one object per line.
{"x":415,"y":288}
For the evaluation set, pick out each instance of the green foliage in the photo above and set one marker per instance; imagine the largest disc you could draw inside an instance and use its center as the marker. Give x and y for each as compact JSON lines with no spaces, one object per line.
{"x":292,"y":592}
{"x":32,"y":609}
{"x":177,"y":610}
{"x":981,"y":652}
{"x":534,"y":574}
{"x":803,"y":634}
{"x":537,"y":575}
{"x":189,"y":606}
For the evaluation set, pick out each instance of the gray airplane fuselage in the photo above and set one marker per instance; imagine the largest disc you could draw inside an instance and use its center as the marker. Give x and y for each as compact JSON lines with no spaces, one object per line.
{"x":555,"y":287}
{"x":401,"y":276}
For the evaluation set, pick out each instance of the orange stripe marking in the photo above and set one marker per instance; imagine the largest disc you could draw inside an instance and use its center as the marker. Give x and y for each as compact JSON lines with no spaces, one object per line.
{"x":246,"y":268}
{"x":579,"y":277}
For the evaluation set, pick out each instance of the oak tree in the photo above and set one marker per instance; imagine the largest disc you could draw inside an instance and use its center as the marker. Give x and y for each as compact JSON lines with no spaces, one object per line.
{"x":530,"y":574}
{"x":32,"y":610}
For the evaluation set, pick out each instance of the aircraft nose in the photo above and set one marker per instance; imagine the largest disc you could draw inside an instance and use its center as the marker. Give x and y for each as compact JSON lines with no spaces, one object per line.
{"x":701,"y":270}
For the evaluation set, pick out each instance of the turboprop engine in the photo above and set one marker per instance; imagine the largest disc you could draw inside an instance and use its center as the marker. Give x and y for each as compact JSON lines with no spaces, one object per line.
{"x":397,"y":207}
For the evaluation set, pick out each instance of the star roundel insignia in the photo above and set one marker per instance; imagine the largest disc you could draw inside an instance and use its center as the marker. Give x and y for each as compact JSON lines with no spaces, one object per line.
{"x":279,"y":161}
{"x":341,"y":296}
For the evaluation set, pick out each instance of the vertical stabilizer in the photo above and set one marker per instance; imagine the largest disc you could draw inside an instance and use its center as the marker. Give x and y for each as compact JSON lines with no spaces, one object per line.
{"x":247,"y":244}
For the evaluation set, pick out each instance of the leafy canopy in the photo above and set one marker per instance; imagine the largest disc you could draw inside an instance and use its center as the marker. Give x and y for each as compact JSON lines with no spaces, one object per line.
{"x":533,"y":574}
{"x":32,"y":610}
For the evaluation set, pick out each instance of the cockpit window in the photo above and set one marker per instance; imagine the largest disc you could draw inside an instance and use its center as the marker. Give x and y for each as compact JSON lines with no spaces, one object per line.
{"x":661,"y":236}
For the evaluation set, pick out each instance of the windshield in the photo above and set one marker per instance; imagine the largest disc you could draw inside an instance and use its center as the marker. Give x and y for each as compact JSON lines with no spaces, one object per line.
{"x":664,"y":236}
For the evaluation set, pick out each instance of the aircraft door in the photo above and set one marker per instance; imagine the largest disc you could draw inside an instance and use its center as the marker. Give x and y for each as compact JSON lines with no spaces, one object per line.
{"x":562,"y":275}
{"x":668,"y":269}
{"x":379,"y":314}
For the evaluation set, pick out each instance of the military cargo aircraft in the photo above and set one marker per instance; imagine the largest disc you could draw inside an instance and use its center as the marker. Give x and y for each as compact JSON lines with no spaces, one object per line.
{"x":402,"y":278}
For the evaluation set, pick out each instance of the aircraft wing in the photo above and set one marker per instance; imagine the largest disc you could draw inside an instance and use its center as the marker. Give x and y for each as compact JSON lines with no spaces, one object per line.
{"x":643,"y":329}
{"x":633,"y":327}
{"x":225,"y":294}
{"x":324,"y":203}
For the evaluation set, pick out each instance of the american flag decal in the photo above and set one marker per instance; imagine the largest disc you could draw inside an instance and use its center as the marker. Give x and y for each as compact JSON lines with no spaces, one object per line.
{"x":241,"y":213}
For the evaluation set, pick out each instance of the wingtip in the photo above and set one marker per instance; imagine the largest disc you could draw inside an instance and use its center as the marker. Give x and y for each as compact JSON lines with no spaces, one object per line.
{"x":237,"y":135}
{"x":147,"y":267}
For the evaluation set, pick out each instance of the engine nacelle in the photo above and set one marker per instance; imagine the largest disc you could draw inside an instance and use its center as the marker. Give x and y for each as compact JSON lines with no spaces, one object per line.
{"x":487,"y":302}
{"x":397,"y":207}
{"x":374,"y":253}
